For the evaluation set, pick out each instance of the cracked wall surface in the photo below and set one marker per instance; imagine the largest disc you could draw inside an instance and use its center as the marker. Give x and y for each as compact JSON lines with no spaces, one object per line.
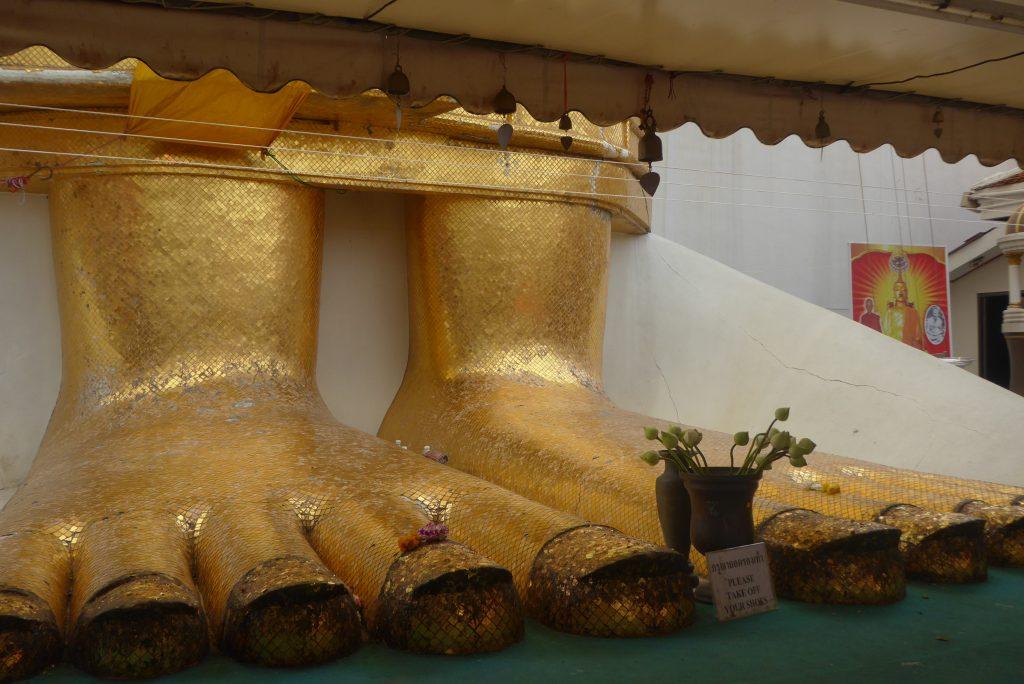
{"x":732,"y":349}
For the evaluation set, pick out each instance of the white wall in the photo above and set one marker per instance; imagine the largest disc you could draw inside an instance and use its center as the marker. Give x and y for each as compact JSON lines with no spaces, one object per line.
{"x":692,"y":340}
{"x":800,"y":243}
{"x":364,"y":306}
{"x":29,"y":332}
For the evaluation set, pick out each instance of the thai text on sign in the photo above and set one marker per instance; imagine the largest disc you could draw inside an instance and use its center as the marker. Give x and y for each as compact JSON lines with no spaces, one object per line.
{"x":741,"y":581}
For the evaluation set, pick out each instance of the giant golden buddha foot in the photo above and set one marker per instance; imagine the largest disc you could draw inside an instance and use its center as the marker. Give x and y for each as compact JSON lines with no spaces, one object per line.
{"x":507,"y":315}
{"x":998,"y":505}
{"x":192,"y":488}
{"x":937,"y":545}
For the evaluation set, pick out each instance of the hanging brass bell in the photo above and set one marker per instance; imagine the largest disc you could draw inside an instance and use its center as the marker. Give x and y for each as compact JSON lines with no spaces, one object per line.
{"x":398,"y":83}
{"x":822,"y":131}
{"x":504,"y":102}
{"x":564,"y":122}
{"x":649,"y":147}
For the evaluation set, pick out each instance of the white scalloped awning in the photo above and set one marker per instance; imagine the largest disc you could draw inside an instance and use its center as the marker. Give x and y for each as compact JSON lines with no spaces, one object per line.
{"x":773,"y":67}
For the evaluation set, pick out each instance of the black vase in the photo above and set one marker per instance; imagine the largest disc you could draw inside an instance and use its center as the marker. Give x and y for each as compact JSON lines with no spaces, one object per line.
{"x":674,"y":515}
{"x":721,"y":508}
{"x":673,"y":508}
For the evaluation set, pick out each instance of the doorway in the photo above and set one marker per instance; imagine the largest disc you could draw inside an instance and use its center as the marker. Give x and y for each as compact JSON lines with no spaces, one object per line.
{"x":993,"y":356}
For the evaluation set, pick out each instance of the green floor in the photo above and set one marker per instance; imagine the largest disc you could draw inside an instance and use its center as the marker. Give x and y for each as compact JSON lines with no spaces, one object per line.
{"x":938,"y":634}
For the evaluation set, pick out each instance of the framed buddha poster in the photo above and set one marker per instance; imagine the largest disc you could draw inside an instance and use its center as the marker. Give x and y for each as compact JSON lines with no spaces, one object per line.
{"x":903,"y":291}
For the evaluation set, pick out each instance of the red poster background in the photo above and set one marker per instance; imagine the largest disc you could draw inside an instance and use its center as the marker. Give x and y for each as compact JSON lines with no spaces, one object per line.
{"x":873,"y":276}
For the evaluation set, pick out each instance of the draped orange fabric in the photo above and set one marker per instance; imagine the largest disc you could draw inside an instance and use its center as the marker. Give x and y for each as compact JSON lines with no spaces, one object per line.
{"x":182,"y":108}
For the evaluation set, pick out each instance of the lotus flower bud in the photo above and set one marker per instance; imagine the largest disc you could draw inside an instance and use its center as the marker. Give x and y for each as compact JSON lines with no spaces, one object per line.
{"x":677,"y":431}
{"x":780,"y":440}
{"x":669,"y":440}
{"x":782,"y":414}
{"x":692,"y":438}
{"x":741,"y":438}
{"x":796,"y":459}
{"x":806,"y":446}
{"x":649,"y":457}
{"x":651,"y":433}
{"x":764,"y":461}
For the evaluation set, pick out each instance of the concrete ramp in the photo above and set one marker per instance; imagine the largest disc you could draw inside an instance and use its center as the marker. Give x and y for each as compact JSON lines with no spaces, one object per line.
{"x":693,"y":340}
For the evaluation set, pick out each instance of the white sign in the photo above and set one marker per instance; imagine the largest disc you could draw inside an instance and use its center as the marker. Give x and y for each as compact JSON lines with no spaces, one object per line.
{"x":741,"y":582}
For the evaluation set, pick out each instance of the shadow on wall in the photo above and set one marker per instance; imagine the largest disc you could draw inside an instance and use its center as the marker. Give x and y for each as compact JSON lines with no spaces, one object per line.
{"x":29,"y":332}
{"x":364,"y":306}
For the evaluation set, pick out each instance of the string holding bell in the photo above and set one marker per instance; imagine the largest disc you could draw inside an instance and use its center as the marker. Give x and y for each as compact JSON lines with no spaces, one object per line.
{"x":505,"y":104}
{"x":938,"y":119}
{"x":397,"y":86}
{"x":564,"y":122}
{"x":649,"y":150}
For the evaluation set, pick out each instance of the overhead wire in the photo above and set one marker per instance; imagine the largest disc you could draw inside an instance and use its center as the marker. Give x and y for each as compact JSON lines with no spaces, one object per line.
{"x":947,"y":72}
{"x":423,"y":143}
{"x":931,"y":226}
{"x":906,"y":205}
{"x":445,"y":184}
{"x":863,"y":204}
{"x":356,"y":155}
{"x":896,"y":196}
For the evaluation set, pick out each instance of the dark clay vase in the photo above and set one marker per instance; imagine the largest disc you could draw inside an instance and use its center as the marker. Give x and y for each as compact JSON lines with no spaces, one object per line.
{"x":721,"y":505}
{"x":673,"y":509}
{"x":674,"y":514}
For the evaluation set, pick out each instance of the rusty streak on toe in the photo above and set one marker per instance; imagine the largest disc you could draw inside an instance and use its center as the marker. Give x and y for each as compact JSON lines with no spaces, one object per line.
{"x":822,"y":559}
{"x":290,"y":612}
{"x":140,"y":626}
{"x":445,"y":598}
{"x":29,"y":637}
{"x":596,"y":581}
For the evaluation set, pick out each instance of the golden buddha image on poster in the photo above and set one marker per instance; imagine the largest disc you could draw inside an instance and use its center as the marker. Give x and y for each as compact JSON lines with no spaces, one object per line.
{"x":903,"y":291}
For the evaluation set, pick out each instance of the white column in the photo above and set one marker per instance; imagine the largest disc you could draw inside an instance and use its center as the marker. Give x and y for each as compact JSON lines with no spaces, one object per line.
{"x":1014,"y":262}
{"x":1012,"y":245}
